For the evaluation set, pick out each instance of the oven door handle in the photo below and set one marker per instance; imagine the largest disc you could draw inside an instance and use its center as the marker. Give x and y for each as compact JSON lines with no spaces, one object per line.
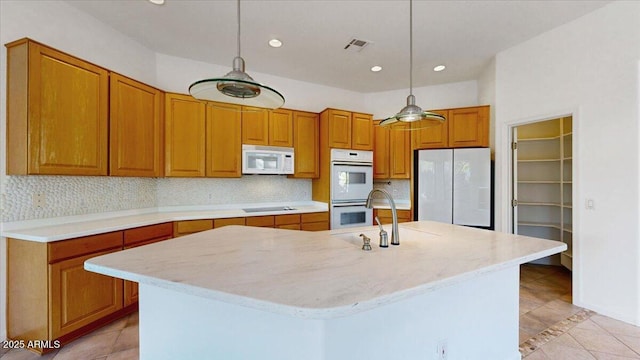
{"x":345,"y":204}
{"x":346,"y":163}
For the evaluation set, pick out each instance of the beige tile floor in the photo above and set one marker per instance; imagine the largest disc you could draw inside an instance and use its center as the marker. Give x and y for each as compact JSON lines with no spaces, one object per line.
{"x":545,"y":300}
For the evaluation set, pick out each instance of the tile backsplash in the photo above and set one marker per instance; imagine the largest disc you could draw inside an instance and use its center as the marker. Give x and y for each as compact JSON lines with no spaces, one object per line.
{"x":399,"y":189}
{"x":73,"y":195}
{"x":81,"y":195}
{"x":248,"y":189}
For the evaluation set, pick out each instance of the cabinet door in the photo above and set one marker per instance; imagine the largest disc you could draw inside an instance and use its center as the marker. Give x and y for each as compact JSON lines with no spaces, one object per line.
{"x":433,"y":136}
{"x":136,"y":136}
{"x":185,"y":120}
{"x":339,"y":128}
{"x":381,"y":136}
{"x":57,"y":121}
{"x":305,"y":145}
{"x":79,"y":297}
{"x":224,"y":140}
{"x":281,"y":128}
{"x":255,"y":126}
{"x":469,"y":127}
{"x":362,"y":132}
{"x":400,"y":152}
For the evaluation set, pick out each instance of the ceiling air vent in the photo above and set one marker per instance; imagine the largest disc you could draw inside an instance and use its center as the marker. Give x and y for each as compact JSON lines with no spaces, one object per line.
{"x":356,"y":45}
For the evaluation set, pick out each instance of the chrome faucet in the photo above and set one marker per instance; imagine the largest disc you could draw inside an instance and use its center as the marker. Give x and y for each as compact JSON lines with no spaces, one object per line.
{"x":395,"y":236}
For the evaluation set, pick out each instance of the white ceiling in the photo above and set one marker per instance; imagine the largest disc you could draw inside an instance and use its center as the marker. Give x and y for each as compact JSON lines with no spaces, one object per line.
{"x":463,"y":35}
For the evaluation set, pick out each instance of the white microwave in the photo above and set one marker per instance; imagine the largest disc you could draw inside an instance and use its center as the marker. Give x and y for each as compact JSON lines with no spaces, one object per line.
{"x":271,"y":160}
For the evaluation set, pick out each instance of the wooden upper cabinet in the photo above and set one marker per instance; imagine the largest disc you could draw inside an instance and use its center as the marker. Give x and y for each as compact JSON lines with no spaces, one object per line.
{"x":400,"y":151}
{"x":469,"y":127}
{"x":392,"y":151}
{"x":255,"y":126}
{"x":339,"y":123}
{"x":431,"y":136}
{"x":136,"y":128}
{"x":306,"y":145}
{"x":267,"y":127}
{"x":464,"y":127}
{"x":224,"y":140}
{"x":57,"y":112}
{"x":281,"y":127}
{"x":380,"y":151}
{"x":185,"y":148}
{"x":361,"y":132}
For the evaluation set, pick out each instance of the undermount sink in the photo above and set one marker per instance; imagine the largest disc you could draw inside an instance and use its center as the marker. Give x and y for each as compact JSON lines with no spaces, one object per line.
{"x":269,"y":209}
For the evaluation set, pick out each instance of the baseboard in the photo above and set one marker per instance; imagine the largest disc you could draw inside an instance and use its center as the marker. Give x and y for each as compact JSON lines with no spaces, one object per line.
{"x":602,"y":311}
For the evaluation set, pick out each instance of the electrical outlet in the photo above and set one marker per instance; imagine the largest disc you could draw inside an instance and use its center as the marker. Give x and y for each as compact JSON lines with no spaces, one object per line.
{"x":442,"y":350}
{"x":39,"y":200}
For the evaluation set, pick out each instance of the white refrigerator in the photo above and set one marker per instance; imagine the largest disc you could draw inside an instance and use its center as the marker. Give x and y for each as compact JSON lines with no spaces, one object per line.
{"x":454,"y":186}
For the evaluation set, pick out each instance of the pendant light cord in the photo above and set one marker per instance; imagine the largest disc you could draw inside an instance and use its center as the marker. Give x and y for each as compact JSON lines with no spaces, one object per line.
{"x":410,"y":47}
{"x":238,"y":28}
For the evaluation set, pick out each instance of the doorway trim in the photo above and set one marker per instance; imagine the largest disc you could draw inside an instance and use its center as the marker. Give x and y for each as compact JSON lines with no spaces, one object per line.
{"x":505,"y":131}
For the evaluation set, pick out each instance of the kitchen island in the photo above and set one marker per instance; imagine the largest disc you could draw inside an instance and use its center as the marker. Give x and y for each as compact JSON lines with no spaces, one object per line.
{"x":253,"y":293}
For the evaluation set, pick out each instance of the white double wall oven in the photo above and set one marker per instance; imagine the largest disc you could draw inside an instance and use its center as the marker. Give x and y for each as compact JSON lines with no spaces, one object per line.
{"x":351,"y":183}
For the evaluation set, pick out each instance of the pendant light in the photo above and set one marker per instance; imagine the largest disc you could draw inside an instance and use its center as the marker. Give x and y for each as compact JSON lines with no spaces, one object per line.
{"x":237,"y":86}
{"x":412,"y":112}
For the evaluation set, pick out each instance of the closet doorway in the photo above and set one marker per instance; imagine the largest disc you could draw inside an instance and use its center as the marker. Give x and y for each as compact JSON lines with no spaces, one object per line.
{"x":542,"y":183}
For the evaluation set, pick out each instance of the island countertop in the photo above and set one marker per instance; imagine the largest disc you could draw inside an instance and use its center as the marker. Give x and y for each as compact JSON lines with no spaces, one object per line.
{"x":320,"y":275}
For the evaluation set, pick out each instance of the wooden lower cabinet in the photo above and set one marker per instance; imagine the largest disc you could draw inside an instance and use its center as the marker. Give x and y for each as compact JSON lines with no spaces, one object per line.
{"x":289,"y":221}
{"x":261,"y":221}
{"x":51,"y":296}
{"x":186,"y":227}
{"x":386,"y":217}
{"x":138,"y":237}
{"x":228,"y":221}
{"x":79,"y":297}
{"x":318,"y":221}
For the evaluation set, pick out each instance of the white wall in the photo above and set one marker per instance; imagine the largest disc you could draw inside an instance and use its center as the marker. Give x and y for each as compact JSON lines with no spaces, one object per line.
{"x":487,"y":96}
{"x":588,"y":67}
{"x":388,"y":103}
{"x":175,"y":74}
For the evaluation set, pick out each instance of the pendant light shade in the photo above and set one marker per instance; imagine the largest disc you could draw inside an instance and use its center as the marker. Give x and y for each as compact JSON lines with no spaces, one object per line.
{"x":412,"y":112}
{"x":237,"y":86}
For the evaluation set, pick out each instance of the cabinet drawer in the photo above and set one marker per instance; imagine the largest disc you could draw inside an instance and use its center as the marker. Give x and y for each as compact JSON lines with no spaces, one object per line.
{"x":192,"y":226}
{"x":314,"y":217}
{"x":289,"y":226}
{"x":315,"y":226}
{"x":386,"y":217}
{"x":262,"y":221}
{"x":230,"y":221}
{"x":148,"y":233}
{"x":60,"y":250}
{"x":287,"y":219}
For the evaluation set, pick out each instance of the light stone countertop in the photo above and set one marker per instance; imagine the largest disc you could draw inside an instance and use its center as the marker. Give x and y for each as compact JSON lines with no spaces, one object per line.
{"x":322,"y":274}
{"x":62,"y":228}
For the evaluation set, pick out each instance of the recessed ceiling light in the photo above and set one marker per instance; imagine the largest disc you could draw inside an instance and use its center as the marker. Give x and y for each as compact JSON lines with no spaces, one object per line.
{"x":275,"y":43}
{"x":376,"y":68}
{"x":157,"y":2}
{"x":439,"y":68}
